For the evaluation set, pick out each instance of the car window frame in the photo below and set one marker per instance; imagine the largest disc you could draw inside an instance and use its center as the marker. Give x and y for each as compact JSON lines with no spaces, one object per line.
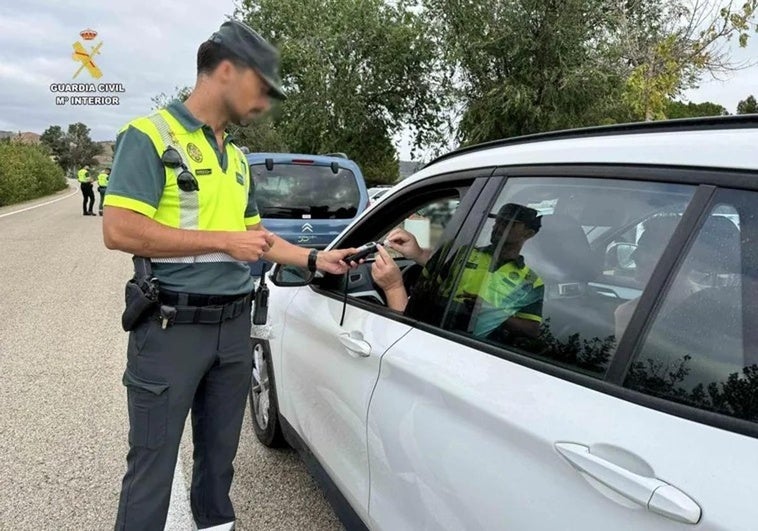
{"x":476,"y":180}
{"x":706,"y":182}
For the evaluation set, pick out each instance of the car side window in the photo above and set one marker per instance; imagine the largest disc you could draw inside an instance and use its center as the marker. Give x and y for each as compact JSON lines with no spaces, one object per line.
{"x":536,"y":279}
{"x":701,"y":348}
{"x":426,"y":216}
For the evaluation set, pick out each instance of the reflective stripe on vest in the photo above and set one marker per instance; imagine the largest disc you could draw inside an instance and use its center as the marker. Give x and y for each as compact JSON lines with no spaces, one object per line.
{"x":189,"y":205}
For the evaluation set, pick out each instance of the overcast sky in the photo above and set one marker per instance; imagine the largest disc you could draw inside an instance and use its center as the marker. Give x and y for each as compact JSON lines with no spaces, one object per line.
{"x":149,"y":46}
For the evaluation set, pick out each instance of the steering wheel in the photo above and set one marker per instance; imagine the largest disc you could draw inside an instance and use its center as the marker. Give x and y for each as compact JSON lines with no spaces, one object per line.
{"x":361,"y":285}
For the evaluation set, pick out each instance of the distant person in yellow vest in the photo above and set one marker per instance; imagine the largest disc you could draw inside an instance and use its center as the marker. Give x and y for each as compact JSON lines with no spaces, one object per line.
{"x":88,"y":194}
{"x":102,"y":186}
{"x":181,"y":198}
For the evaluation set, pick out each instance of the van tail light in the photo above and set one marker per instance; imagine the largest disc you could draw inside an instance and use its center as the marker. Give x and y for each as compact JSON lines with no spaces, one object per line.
{"x":302,"y":161}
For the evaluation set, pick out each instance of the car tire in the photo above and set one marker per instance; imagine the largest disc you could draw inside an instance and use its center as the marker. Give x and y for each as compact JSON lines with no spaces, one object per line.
{"x":264,"y":407}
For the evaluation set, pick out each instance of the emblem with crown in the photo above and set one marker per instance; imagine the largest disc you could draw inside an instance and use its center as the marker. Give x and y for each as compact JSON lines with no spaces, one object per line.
{"x":88,"y":34}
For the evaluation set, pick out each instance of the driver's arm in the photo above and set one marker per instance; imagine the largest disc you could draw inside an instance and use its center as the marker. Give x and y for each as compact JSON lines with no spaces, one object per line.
{"x":406,"y":244}
{"x":387,"y":276}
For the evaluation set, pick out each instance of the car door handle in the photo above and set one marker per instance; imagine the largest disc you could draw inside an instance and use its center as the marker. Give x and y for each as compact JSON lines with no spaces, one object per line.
{"x":651,"y":493}
{"x":354,"y":343}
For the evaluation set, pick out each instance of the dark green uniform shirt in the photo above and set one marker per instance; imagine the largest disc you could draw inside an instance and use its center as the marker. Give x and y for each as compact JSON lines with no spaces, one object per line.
{"x":139,"y":174}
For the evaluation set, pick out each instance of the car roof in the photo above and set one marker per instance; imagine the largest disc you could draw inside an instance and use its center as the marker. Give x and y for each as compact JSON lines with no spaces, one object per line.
{"x":256,"y":158}
{"x":719,"y":142}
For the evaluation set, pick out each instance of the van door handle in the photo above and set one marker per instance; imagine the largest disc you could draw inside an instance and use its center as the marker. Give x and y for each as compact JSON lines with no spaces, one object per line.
{"x":355,"y":343}
{"x":652,"y":493}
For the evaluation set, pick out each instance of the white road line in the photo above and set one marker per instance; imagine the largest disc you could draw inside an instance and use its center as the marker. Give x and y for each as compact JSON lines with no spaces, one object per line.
{"x":179,"y":512}
{"x":40,"y":205}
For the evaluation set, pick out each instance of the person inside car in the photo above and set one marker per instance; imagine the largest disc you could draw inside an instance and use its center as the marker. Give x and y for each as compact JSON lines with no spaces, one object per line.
{"x":497,"y":295}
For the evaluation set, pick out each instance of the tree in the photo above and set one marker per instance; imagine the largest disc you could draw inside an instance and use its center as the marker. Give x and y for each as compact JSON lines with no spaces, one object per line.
{"x":82,"y":148}
{"x":523,"y":66}
{"x":54,"y":139}
{"x":678,"y":109}
{"x":73,"y":149}
{"x":748,"y":106}
{"x":666,"y":47}
{"x":355,"y":73}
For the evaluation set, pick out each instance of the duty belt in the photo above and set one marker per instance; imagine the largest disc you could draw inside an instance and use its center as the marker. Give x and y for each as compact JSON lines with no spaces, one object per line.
{"x":184,"y":308}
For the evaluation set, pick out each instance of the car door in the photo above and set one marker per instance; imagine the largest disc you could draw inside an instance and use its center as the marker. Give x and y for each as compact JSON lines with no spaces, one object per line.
{"x":335,"y":339}
{"x":577,"y":428}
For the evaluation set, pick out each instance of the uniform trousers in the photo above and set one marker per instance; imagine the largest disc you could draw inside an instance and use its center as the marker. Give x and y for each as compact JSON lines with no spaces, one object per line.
{"x":202,"y":367}
{"x":88,"y":198}
{"x":102,"y":190}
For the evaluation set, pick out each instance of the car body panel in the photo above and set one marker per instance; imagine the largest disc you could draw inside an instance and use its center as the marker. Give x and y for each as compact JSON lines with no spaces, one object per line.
{"x":460,"y":439}
{"x":328,"y":388}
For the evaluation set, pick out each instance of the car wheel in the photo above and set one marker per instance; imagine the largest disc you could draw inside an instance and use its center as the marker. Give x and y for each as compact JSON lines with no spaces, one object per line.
{"x":263,"y":403}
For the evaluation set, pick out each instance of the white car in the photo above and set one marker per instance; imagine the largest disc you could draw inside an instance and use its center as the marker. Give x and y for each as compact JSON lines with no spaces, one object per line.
{"x":630,"y":404}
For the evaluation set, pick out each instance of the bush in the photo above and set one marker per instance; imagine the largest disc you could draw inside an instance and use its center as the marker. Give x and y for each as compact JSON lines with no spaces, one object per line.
{"x":27,"y":172}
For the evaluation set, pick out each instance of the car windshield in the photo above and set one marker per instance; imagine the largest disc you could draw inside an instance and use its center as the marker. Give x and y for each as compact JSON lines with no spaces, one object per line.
{"x":305,"y":192}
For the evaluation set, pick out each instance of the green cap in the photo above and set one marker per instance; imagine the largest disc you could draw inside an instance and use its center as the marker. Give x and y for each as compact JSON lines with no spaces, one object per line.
{"x":254,"y":50}
{"x":515,"y":212}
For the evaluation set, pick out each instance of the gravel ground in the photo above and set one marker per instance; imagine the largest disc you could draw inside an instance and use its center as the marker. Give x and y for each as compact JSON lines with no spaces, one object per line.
{"x":63,"y":425}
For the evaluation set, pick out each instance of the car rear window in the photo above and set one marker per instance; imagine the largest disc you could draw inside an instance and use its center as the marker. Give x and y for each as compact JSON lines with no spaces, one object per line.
{"x":305,"y":192}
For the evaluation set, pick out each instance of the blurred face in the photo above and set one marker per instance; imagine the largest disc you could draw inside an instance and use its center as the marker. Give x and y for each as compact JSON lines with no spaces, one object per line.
{"x":245,"y":93}
{"x":514,"y":232}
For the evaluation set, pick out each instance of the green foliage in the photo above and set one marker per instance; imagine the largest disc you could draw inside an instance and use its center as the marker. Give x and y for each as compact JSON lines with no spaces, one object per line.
{"x":526,"y":66}
{"x":73,"y":149}
{"x":666,"y":47}
{"x":27,"y":173}
{"x":356,"y":73}
{"x":678,"y":109}
{"x":748,"y":106}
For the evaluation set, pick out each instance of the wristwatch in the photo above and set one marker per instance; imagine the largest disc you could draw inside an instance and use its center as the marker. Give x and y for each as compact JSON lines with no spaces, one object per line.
{"x":312,"y":260}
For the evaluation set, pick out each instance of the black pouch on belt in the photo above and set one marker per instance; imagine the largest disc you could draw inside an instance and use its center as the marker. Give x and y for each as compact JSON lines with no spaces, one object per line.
{"x":141,"y":295}
{"x":260,"y":302}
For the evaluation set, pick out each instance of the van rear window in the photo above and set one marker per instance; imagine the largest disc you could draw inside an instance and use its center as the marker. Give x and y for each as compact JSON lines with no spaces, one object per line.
{"x":305,"y":192}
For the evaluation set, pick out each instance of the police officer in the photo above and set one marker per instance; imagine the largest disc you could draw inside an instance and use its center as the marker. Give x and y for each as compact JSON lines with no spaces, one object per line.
{"x":102,"y":187}
{"x":88,"y":194}
{"x":181,"y":194}
{"x":497,"y":293}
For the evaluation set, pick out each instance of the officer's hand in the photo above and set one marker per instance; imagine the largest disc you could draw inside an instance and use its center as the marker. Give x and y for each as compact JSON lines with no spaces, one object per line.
{"x":385,"y":272}
{"x":331,"y":261}
{"x":405,"y":243}
{"x":250,"y":245}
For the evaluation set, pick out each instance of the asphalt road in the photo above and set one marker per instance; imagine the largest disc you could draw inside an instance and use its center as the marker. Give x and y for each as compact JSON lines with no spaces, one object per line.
{"x":63,"y":423}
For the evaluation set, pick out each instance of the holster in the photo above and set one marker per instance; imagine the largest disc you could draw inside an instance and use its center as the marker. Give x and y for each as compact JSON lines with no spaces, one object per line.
{"x":141,"y":294}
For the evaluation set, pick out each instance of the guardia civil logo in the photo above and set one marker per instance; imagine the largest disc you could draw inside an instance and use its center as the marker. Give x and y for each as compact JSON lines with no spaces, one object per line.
{"x":86,"y":57}
{"x":194,"y":152}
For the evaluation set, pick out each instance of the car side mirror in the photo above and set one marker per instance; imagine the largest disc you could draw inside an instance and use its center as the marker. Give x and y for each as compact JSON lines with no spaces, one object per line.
{"x":288,"y":276}
{"x":620,"y":256}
